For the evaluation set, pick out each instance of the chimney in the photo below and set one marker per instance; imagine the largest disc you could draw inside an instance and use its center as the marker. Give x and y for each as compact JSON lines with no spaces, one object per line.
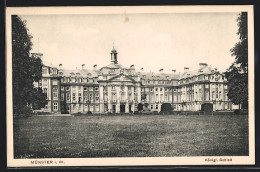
{"x":186,"y":69}
{"x":83,"y":66}
{"x":173,"y":70}
{"x":60,"y":66}
{"x":95,"y":67}
{"x":161,"y":70}
{"x":202,"y":65}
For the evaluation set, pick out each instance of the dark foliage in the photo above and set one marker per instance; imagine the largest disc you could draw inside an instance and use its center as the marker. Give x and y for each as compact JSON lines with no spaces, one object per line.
{"x":39,"y":99}
{"x":140,"y":107}
{"x":89,"y":113}
{"x":25,"y":70}
{"x":166,"y":107}
{"x":237,"y":74}
{"x":207,"y":107}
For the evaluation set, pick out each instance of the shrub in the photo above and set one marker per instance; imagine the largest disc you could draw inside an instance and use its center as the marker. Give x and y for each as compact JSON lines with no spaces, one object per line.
{"x":109,"y":113}
{"x":140,"y":107}
{"x":207,"y":107}
{"x":89,"y":113}
{"x":237,"y":111}
{"x":23,"y":112}
{"x":166,"y":107}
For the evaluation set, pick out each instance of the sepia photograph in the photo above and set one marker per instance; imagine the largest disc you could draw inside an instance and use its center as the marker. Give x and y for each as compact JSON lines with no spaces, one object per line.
{"x":150,"y":85}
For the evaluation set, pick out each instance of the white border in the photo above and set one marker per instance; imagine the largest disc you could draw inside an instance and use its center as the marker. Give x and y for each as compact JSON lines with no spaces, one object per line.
{"x":198,"y":160}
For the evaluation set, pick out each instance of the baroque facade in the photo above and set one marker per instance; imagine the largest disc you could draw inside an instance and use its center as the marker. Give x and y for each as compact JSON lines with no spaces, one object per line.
{"x":114,"y":88}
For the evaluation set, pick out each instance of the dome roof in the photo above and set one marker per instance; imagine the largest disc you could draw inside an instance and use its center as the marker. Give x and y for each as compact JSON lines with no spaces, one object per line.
{"x":113,"y":51}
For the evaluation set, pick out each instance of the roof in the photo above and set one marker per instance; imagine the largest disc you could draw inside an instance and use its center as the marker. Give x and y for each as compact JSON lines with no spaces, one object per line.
{"x":82,"y":72}
{"x":205,"y":70}
{"x":162,"y":76}
{"x":113,"y":51}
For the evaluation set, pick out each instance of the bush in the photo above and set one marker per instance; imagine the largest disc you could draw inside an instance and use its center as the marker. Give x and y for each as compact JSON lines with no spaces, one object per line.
{"x":237,"y":111}
{"x":166,"y":107}
{"x":140,"y":107}
{"x":207,"y":107}
{"x":65,"y":112}
{"x":78,"y":114}
{"x":89,"y":113}
{"x":23,"y":112}
{"x":109,"y":113}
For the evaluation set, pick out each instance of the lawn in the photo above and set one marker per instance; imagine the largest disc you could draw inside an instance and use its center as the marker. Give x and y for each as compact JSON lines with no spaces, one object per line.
{"x":131,"y":136}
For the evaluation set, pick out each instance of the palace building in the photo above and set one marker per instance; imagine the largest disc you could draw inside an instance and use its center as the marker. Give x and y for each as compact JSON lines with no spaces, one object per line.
{"x":118,"y":89}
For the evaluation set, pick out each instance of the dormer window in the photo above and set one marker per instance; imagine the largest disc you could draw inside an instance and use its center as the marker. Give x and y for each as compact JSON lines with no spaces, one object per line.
{"x":77,"y":73}
{"x":72,"y":73}
{"x":61,"y":73}
{"x":89,"y":74}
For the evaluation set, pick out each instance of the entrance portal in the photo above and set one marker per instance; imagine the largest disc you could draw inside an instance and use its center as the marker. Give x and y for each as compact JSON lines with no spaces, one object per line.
{"x":114,"y":108}
{"x":122,"y":108}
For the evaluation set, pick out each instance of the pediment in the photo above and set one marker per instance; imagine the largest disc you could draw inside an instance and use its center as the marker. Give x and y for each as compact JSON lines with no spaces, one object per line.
{"x":121,"y":78}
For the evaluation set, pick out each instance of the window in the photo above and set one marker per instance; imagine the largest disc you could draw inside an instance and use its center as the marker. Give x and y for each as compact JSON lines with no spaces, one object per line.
{"x":161,"y":97}
{"x":207,"y":95}
{"x":90,"y":88}
{"x":85,"y":97}
{"x":62,"y":88}
{"x":73,"y":88}
{"x":79,"y":87}
{"x":45,"y":90}
{"x":45,"y":82}
{"x":96,"y":88}
{"x":156,"y":107}
{"x":55,"y":106}
{"x":97,"y":97}
{"x":55,"y":93}
{"x":44,"y":71}
{"x":114,"y":97}
{"x":68,"y":96}
{"x":156,"y":89}
{"x":73,"y":96}
{"x":151,"y":89}
{"x":160,"y":89}
{"x":156,"y":97}
{"x":62,"y":96}
{"x":85,"y":88}
{"x":68,"y":79}
{"x":213,"y":95}
{"x":67,"y":88}
{"x":151,"y":107}
{"x":113,"y":88}
{"x":97,"y":108}
{"x":79,"y":96}
{"x":151,"y":97}
{"x":90,"y":97}
{"x":54,"y":82}
{"x":166,"y":89}
{"x":166,"y":97}
{"x":206,"y":86}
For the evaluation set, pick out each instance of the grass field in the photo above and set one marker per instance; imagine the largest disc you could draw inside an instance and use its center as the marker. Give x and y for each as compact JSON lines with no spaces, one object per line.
{"x":131,"y":136}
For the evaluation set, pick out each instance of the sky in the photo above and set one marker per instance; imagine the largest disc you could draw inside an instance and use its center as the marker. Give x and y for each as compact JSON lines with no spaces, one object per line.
{"x":149,"y":41}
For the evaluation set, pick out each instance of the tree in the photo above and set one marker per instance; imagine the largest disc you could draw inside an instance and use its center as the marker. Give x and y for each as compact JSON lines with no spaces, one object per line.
{"x":237,"y":73}
{"x":25,"y":69}
{"x":39,"y":99}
